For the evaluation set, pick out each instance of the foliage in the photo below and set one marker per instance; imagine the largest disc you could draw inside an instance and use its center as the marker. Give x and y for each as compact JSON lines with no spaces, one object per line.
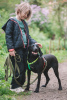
{"x":4,"y":88}
{"x":41,"y":19}
{"x":61,"y":55}
{"x":41,"y":38}
{"x":39,"y":15}
{"x":43,"y":2}
{"x":3,"y":4}
{"x":4,"y":15}
{"x":50,"y":22}
{"x":59,"y":17}
{"x":2,"y":74}
{"x":8,"y":4}
{"x":3,"y":48}
{"x":6,"y":98}
{"x":42,"y":26}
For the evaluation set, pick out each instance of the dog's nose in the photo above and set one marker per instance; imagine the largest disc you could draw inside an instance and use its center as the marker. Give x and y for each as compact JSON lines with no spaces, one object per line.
{"x":35,"y":48}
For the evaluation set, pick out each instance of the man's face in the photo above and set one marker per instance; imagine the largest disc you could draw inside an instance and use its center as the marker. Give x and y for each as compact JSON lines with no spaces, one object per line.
{"x":24,"y":15}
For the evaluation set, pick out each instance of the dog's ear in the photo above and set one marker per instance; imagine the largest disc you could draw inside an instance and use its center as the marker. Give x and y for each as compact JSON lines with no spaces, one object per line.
{"x":40,"y":52}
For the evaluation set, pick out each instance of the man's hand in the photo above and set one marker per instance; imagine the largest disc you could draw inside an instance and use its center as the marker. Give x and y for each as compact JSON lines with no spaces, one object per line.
{"x":12,"y":53}
{"x":40,"y":45}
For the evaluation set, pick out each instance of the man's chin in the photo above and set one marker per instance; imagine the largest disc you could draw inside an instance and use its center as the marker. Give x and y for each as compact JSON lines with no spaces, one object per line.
{"x":23,"y":18}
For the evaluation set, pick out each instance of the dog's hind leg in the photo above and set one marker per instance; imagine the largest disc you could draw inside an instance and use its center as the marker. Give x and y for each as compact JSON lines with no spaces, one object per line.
{"x":57,"y":75}
{"x":47,"y":78}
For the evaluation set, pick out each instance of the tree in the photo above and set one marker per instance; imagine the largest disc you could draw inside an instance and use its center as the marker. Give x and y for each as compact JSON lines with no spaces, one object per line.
{"x":61,"y":13}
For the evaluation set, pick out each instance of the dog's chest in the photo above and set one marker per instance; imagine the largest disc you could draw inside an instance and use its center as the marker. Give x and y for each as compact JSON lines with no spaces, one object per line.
{"x":36,"y":68}
{"x":36,"y":65}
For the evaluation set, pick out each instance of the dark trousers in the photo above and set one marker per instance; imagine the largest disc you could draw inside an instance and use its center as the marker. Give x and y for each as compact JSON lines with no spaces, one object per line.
{"x":22,"y":66}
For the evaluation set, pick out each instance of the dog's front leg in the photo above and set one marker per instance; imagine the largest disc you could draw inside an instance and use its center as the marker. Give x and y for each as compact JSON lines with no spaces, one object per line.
{"x":38,"y":83}
{"x":28,"y":80}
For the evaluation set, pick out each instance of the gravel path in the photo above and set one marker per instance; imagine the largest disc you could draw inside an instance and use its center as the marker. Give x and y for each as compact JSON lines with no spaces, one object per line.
{"x":51,"y":92}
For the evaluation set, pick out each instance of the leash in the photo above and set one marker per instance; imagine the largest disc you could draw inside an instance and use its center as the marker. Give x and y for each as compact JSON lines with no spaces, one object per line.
{"x":17,"y":58}
{"x":8,"y":63}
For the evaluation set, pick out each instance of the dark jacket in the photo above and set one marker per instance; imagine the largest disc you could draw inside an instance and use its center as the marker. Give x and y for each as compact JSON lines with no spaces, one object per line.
{"x":14,"y":34}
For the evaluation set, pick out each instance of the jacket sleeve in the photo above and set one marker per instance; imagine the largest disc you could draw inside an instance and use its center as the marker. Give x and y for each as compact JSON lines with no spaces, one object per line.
{"x":9,"y":34}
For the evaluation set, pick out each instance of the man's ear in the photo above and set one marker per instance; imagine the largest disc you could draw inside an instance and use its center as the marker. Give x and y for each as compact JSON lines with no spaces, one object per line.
{"x":40,"y":52}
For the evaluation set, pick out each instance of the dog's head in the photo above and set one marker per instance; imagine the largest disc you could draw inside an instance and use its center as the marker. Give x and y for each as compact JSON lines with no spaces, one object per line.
{"x":35,"y":50}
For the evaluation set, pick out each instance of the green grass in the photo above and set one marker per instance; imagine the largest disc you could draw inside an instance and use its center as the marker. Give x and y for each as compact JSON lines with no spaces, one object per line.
{"x":7,"y":98}
{"x":61,"y":55}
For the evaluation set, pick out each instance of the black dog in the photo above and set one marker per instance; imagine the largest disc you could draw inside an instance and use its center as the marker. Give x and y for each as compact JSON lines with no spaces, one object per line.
{"x":37,"y":64}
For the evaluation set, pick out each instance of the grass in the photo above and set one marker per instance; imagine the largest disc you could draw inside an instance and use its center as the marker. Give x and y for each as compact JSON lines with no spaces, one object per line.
{"x":7,"y":98}
{"x":61,"y":55}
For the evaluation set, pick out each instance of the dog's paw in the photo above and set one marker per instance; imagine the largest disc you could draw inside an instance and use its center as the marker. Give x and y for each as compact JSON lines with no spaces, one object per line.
{"x":36,"y":91}
{"x":60,"y":88}
{"x":43,"y":86}
{"x":26,"y":89}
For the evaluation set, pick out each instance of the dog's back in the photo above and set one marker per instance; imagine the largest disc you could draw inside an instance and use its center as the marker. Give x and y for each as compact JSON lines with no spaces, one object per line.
{"x":51,"y":60}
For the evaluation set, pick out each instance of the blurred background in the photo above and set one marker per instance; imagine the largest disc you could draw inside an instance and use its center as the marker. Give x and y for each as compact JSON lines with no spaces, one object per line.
{"x":48,"y":26}
{"x":49,"y":20}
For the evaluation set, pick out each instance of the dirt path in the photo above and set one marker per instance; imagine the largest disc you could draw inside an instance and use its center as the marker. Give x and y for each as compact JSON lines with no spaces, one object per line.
{"x":51,"y":92}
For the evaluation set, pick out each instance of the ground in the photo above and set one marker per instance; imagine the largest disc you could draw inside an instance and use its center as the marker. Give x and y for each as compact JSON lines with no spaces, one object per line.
{"x":51,"y":92}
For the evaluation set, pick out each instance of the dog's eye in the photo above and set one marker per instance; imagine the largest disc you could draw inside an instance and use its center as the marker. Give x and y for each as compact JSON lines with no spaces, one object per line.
{"x":32,"y":45}
{"x":36,"y":45}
